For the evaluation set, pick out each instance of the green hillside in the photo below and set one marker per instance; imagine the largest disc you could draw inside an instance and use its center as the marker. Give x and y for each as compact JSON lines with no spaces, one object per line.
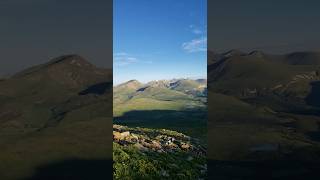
{"x":174,"y":104}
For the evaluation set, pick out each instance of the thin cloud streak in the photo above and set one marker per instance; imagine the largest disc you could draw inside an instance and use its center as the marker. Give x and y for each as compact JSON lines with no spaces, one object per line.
{"x":195,"y":45}
{"x":124,"y":59}
{"x":197,"y":30}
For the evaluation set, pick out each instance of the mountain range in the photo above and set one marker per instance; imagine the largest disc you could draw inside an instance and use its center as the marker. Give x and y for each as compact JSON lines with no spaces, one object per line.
{"x":58,"y":114}
{"x":262,"y":115}
{"x":176,"y":104}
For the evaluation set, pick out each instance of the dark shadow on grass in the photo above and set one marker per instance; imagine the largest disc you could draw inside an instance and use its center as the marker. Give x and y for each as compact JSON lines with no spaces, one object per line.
{"x":263,"y":170}
{"x":75,"y":169}
{"x":314,"y":135}
{"x":313,"y":98}
{"x":191,"y":122}
{"x":164,"y":116}
{"x":97,"y":89}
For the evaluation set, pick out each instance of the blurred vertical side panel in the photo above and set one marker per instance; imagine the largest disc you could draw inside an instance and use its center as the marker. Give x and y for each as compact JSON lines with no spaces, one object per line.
{"x":263,"y":82}
{"x":55,"y":89}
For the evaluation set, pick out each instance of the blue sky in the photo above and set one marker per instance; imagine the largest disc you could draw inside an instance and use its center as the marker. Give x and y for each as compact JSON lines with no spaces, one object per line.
{"x":155,"y":39}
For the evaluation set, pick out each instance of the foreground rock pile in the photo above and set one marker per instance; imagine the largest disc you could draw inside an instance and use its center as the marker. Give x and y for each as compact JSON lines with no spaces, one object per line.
{"x":161,"y":141}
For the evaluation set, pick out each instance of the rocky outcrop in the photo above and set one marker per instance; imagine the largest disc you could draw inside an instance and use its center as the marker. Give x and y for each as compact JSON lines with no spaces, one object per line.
{"x":162,"y":141}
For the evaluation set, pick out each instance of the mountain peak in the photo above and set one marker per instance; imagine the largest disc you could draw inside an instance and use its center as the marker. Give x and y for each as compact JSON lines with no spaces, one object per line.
{"x":72,"y":71}
{"x":132,"y":84}
{"x":257,"y":53}
{"x":233,"y":52}
{"x":72,"y":59}
{"x":65,"y":61}
{"x":133,"y":81}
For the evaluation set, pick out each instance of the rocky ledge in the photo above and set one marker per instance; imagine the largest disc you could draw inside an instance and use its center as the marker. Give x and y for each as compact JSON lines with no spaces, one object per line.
{"x":162,"y":140}
{"x":142,"y":153}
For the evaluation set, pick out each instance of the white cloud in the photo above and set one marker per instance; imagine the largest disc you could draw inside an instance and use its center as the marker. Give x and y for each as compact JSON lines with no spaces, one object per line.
{"x":195,"y":45}
{"x":197,"y":30}
{"x":124,"y":59}
{"x":120,"y":54}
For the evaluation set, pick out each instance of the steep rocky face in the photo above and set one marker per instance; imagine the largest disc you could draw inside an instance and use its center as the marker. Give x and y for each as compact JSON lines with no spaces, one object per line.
{"x":160,"y":83}
{"x":188,"y":86}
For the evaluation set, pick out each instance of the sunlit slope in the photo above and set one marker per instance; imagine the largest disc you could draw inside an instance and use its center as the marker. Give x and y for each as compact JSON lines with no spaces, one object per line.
{"x":154,"y":97}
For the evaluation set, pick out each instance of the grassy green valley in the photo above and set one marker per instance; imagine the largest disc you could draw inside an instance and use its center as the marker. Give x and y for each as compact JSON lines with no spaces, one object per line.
{"x":162,"y":104}
{"x":163,"y":117}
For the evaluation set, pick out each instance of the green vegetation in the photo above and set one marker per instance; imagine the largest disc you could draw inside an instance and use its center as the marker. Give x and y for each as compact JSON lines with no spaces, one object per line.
{"x":173,"y":104}
{"x":131,"y":163}
{"x":142,"y":153}
{"x":159,"y":107}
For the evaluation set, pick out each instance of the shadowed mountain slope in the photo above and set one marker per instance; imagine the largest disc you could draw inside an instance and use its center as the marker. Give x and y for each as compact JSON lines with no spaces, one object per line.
{"x":263,"y":110}
{"x":53,"y":112}
{"x":30,"y":98}
{"x":278,"y":77}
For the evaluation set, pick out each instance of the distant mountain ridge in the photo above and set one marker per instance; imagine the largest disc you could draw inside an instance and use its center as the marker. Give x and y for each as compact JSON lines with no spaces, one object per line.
{"x":248,"y":74}
{"x":159,"y":90}
{"x":294,"y":58}
{"x":177,"y":104}
{"x":170,"y":84}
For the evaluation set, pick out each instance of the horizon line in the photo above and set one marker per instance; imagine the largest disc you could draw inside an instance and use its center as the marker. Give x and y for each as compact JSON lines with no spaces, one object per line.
{"x":166,"y":79}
